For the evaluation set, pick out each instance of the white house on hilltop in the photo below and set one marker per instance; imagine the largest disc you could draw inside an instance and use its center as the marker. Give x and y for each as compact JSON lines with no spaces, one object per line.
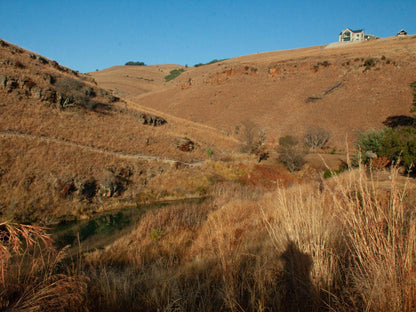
{"x":349,"y":35}
{"x":401,"y":33}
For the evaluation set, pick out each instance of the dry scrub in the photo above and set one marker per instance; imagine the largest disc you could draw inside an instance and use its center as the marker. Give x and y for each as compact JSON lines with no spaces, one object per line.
{"x":348,"y":245}
{"x":30,"y":279}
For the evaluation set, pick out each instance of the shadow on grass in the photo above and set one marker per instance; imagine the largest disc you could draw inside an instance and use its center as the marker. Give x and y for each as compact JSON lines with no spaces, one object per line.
{"x":399,"y":121}
{"x":300,"y":294}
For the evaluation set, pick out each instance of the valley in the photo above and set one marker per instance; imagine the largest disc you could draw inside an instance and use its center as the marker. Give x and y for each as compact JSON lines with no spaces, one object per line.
{"x":277,"y":181}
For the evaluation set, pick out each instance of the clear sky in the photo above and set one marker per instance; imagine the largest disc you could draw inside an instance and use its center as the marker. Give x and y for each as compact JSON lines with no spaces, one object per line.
{"x":86,"y":35}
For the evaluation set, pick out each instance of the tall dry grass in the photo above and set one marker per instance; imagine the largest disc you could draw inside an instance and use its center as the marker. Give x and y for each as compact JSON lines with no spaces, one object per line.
{"x":31,"y":277}
{"x":348,"y":245}
{"x":351,"y":247}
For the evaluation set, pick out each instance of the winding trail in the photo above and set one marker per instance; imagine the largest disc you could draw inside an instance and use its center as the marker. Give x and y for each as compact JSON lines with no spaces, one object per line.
{"x":16,"y":134}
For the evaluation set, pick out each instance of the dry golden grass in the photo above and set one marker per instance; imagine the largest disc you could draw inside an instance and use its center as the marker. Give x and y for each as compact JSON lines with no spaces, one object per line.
{"x":347,"y":245}
{"x":30,"y":280}
{"x":42,"y":144}
{"x":262,"y":242}
{"x":275,"y":96}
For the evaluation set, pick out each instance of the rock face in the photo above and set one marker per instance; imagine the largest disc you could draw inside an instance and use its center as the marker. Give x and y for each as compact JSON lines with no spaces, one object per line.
{"x":152,"y":120}
{"x":185,"y":145}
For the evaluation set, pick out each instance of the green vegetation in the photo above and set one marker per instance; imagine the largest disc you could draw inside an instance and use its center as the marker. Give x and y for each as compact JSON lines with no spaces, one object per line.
{"x":156,"y":234}
{"x":330,"y":173}
{"x":397,"y":145}
{"x":209,"y":63}
{"x":173,"y":74}
{"x":345,"y":246}
{"x":369,"y":63}
{"x":135,"y":63}
{"x":209,"y":152}
{"x":288,"y":140}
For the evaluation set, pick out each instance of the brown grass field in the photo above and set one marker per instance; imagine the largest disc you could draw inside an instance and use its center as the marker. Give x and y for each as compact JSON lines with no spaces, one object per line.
{"x":273,"y":88}
{"x":264,"y":239}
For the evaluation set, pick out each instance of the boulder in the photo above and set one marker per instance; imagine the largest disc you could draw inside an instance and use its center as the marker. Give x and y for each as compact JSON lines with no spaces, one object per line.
{"x":185,"y":145}
{"x":11,"y":84}
{"x":42,"y":60}
{"x":152,"y":120}
{"x":49,"y":78}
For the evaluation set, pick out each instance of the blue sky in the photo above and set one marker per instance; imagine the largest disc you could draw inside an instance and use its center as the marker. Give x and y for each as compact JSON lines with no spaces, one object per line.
{"x":89,"y":35}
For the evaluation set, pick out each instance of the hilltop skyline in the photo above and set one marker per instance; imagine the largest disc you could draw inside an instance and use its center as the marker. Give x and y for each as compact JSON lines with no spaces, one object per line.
{"x":90,"y":35}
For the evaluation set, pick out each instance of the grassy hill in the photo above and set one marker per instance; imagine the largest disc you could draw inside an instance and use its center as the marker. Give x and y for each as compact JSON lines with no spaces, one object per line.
{"x":69,"y":147}
{"x":75,"y":146}
{"x":344,"y":89}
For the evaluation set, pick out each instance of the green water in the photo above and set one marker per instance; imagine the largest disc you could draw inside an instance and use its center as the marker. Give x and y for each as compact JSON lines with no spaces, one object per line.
{"x":96,"y":233}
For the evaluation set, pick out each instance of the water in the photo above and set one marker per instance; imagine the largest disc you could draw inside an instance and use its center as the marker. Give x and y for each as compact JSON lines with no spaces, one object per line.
{"x":96,"y":233}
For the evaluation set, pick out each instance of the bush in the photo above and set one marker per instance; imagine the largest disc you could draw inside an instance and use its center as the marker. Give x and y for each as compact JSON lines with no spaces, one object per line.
{"x":212,"y":62}
{"x":292,"y":158}
{"x":370,"y":62}
{"x":397,"y":145}
{"x":74,"y":93}
{"x":252,"y":136}
{"x":316,"y":137}
{"x":209,"y":152}
{"x":288,"y":140}
{"x":135,"y":63}
{"x":173,"y":74}
{"x":67,"y":85}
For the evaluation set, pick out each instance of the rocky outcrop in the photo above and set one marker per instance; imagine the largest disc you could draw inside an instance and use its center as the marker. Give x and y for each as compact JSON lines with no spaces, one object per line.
{"x":152,"y":120}
{"x":185,"y":144}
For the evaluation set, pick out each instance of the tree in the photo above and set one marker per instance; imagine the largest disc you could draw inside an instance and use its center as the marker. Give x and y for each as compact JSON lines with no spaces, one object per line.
{"x":398,"y":145}
{"x":252,"y":137}
{"x":289,"y":155}
{"x":316,"y":137}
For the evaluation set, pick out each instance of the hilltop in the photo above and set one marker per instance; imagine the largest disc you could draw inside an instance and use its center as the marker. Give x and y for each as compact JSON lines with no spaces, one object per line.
{"x":345,"y":89}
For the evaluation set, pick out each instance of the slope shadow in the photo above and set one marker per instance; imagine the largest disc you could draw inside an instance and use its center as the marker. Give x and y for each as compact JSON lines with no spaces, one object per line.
{"x":399,"y":121}
{"x":300,"y":294}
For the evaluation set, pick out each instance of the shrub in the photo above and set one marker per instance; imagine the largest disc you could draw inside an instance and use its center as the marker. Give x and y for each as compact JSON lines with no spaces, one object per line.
{"x":212,"y":62}
{"x":135,"y":63}
{"x":288,"y":140}
{"x":173,"y":74}
{"x":368,"y":63}
{"x":316,"y":137}
{"x":209,"y":152}
{"x":291,"y":157}
{"x":397,"y":145}
{"x":252,"y":136}
{"x":73,"y":93}
{"x":68,"y":84}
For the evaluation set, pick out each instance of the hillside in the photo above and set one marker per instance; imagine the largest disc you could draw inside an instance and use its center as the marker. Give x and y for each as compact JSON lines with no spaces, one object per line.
{"x":70,"y":148}
{"x":225,"y":230}
{"x":344,"y":89}
{"x":75,"y":144}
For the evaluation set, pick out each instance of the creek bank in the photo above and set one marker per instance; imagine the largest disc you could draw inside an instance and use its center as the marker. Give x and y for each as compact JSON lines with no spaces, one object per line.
{"x":104,"y":228}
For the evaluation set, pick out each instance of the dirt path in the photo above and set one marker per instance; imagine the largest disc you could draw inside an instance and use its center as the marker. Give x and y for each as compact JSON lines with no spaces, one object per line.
{"x":15,"y":134}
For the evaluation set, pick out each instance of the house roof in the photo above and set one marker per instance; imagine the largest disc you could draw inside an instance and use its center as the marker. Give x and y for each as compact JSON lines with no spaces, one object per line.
{"x":353,"y":31}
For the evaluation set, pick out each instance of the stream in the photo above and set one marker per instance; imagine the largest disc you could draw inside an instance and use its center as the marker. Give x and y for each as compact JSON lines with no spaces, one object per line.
{"x":86,"y":235}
